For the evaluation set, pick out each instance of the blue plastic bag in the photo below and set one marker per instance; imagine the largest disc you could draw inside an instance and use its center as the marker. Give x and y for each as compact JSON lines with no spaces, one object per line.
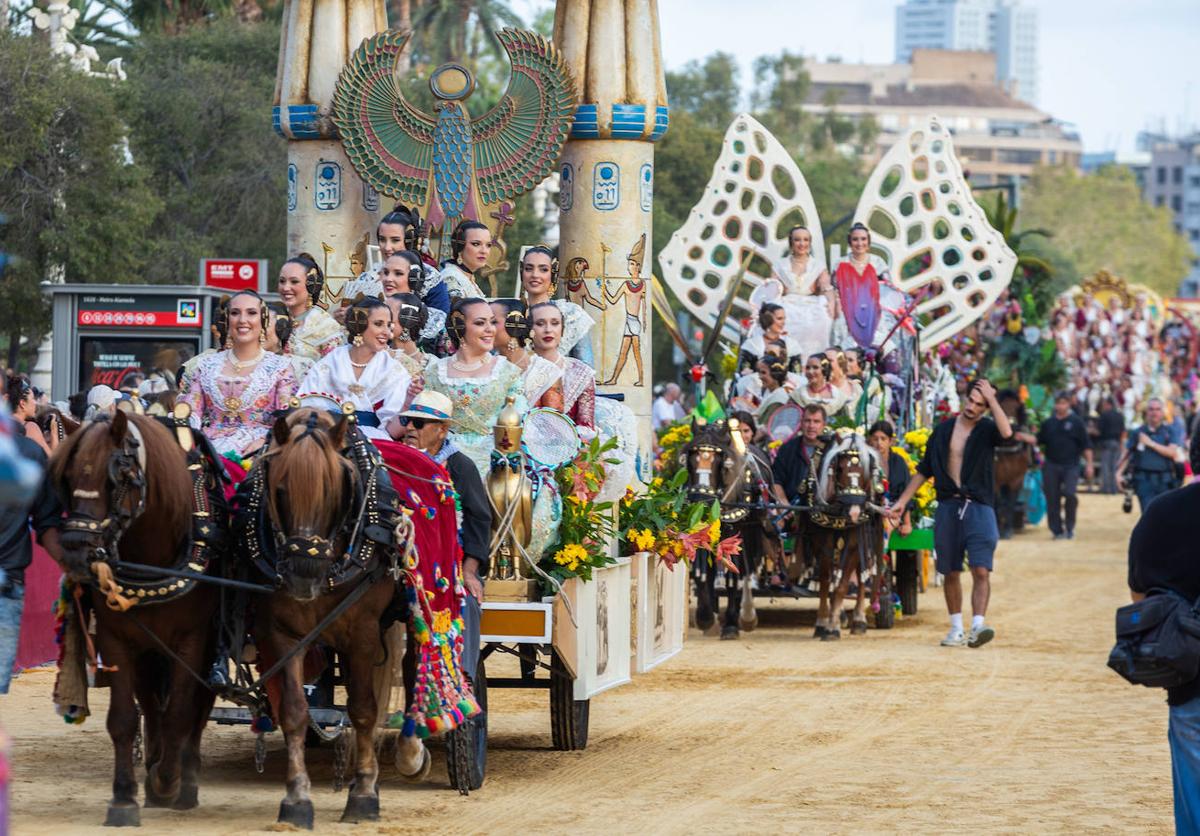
{"x":1034,"y":497}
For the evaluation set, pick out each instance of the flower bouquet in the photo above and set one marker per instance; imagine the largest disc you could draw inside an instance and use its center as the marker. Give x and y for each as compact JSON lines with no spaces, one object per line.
{"x":587,"y":524}
{"x":662,"y":520}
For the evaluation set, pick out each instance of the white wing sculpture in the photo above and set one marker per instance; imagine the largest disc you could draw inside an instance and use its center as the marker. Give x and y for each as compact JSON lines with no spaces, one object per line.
{"x":756,"y":194}
{"x":936,"y":238}
{"x":917,"y":203}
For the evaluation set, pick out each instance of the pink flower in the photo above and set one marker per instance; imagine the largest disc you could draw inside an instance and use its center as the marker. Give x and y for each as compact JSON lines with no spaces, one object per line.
{"x":727,"y":549}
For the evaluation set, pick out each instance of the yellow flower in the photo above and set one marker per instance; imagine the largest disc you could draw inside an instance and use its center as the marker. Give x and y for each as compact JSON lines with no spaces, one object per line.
{"x":714,"y":534}
{"x":643,"y":540}
{"x":570,"y":555}
{"x":656,"y":482}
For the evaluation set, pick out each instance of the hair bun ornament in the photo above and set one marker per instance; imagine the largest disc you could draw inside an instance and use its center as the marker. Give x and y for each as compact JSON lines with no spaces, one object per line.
{"x":357,"y":319}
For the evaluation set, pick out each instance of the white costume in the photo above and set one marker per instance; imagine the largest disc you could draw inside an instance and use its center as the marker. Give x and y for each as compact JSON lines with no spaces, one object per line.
{"x":538,"y":376}
{"x":460,"y":283}
{"x":369,"y":284}
{"x":809,"y":323}
{"x":576,"y":325}
{"x":380,"y":390}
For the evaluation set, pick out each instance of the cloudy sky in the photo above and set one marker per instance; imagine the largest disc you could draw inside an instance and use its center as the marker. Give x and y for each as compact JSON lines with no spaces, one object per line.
{"x":1110,"y":67}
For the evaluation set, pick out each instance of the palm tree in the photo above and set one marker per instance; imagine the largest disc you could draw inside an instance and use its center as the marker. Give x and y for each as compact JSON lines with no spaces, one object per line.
{"x":459,"y":30}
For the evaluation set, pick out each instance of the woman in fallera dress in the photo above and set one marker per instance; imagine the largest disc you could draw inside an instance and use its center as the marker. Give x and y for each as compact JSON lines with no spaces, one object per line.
{"x":235,"y":393}
{"x":409,"y":315}
{"x":578,"y":378}
{"x":363,"y":373}
{"x":314,"y":333}
{"x":543,"y":379}
{"x":816,"y":387}
{"x":800,"y":284}
{"x":865,"y":293}
{"x":539,"y":283}
{"x":470,"y":246}
{"x":398,"y":231}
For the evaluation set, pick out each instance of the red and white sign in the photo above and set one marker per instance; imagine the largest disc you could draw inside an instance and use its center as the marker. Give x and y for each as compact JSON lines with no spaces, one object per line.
{"x":139,"y":311}
{"x":234,"y":273}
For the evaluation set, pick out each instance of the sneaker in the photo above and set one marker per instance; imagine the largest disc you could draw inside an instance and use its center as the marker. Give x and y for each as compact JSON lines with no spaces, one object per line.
{"x":1070,"y":535}
{"x":955,"y":638}
{"x":980,"y":636}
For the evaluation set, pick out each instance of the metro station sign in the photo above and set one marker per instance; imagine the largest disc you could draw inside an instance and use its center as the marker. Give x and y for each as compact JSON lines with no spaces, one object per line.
{"x":234,"y":274}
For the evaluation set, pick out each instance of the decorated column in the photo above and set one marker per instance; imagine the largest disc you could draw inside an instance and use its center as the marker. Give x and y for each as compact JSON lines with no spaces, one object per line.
{"x":332,"y":213}
{"x":607,"y":186}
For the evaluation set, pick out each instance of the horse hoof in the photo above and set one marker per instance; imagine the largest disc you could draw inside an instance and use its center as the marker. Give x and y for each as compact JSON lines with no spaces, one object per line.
{"x":153,"y":797}
{"x":123,"y":815}
{"x":831,"y":635}
{"x":748,"y":626}
{"x":361,"y":808}
{"x":729,"y":632}
{"x":820,"y":631}
{"x":188,"y":798}
{"x":423,"y":771}
{"x":858,"y":628}
{"x":296,"y":813}
{"x":704,"y":620}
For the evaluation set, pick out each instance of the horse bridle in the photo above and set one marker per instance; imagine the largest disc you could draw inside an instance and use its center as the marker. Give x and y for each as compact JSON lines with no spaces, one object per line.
{"x":127,"y":476}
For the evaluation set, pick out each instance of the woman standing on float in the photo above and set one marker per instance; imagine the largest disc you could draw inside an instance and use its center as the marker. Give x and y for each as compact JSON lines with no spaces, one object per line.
{"x":314,"y":332}
{"x":234,"y":393}
{"x":539,"y":282}
{"x":578,"y":378}
{"x":868,"y":301}
{"x":398,"y":231}
{"x":800,"y":284}
{"x":542,"y":379}
{"x":403,"y":272}
{"x":770,"y":327}
{"x":409,"y":316}
{"x":363,"y":373}
{"x":470,"y":246}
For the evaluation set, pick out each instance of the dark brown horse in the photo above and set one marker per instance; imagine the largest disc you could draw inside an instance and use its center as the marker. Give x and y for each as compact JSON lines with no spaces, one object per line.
{"x":303,"y":508}
{"x":129,"y":496}
{"x":734,"y":475}
{"x":843,"y":493}
{"x":1012,"y":463}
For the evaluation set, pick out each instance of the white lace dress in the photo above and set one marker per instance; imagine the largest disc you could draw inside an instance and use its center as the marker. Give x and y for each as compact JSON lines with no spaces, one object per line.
{"x":380,"y":391}
{"x":809,"y":323}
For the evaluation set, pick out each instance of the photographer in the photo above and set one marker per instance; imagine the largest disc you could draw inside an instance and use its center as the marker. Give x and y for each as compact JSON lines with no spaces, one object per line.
{"x":1162,"y":556}
{"x":1150,"y":456}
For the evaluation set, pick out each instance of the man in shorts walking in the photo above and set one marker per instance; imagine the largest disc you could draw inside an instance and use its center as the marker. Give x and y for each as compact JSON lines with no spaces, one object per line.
{"x":959,"y":458}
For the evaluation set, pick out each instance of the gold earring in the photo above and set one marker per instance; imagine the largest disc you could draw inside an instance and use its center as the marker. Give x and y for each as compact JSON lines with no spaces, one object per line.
{"x":512,"y":343}
{"x":262,"y":337}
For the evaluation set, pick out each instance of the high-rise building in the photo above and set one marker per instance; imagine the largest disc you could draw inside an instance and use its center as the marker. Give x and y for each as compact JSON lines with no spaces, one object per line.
{"x":1004,"y":27}
{"x":1173,"y":181}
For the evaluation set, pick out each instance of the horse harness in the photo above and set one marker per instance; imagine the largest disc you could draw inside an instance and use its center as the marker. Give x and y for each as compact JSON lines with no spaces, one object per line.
{"x":367,"y":526}
{"x":122,"y":584}
{"x":832,"y":514}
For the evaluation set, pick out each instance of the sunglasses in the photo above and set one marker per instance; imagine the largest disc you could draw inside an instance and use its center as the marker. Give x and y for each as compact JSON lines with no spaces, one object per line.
{"x":416,"y":423}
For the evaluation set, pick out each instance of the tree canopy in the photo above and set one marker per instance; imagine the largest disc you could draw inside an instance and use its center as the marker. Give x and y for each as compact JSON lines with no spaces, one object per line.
{"x":1099,"y":221}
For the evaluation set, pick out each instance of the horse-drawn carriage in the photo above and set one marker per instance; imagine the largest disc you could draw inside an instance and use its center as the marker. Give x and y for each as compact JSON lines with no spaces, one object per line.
{"x":836,"y":534}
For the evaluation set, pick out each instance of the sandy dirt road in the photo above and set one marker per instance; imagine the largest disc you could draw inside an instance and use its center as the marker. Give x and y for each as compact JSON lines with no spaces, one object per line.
{"x":775,"y":732}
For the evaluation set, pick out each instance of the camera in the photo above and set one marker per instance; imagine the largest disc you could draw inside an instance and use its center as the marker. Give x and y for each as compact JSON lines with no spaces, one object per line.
{"x":1127,"y":489}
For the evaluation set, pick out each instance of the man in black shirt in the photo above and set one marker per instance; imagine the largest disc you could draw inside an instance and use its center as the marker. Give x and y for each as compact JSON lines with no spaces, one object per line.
{"x":1162,"y":555}
{"x":794,"y":460}
{"x":16,"y":551}
{"x":1110,"y":426}
{"x":959,"y":457}
{"x":1064,"y":439}
{"x":1150,"y":455}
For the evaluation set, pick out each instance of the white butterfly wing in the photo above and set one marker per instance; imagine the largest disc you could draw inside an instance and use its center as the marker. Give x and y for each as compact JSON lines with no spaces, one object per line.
{"x":920,"y":210}
{"x":756,"y":194}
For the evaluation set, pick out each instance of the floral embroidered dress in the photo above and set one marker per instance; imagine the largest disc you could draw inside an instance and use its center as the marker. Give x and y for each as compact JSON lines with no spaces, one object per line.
{"x":539,"y":376}
{"x":314,"y":334}
{"x":237,"y":411}
{"x":414,"y":364}
{"x":477,"y":401}
{"x":579,"y":392}
{"x":460,"y":283}
{"x":866,"y":296}
{"x":378,"y":393}
{"x":433,"y":294}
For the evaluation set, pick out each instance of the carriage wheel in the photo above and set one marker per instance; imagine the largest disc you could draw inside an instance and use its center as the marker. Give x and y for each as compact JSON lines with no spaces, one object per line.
{"x":908,"y":580}
{"x":568,"y":716}
{"x":466,"y":746}
{"x":885,"y":619}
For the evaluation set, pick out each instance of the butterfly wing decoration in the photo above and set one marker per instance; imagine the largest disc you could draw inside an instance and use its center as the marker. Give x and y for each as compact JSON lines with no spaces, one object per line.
{"x":389,"y":142}
{"x":755,"y":195}
{"x":937,"y":239}
{"x":519,"y":141}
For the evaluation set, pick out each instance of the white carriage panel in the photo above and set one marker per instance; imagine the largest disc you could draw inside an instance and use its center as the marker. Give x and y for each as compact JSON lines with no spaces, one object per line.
{"x":600,"y":631}
{"x":661,"y":610}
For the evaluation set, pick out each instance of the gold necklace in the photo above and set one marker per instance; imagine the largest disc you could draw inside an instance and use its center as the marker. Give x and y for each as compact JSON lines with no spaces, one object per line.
{"x":238,"y":365}
{"x":469,"y":367}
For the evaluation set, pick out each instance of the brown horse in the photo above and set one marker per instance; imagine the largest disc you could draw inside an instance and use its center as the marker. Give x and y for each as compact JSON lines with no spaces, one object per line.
{"x":1012,"y":463}
{"x":128,"y":491}
{"x":843,"y":493}
{"x":303,"y":508}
